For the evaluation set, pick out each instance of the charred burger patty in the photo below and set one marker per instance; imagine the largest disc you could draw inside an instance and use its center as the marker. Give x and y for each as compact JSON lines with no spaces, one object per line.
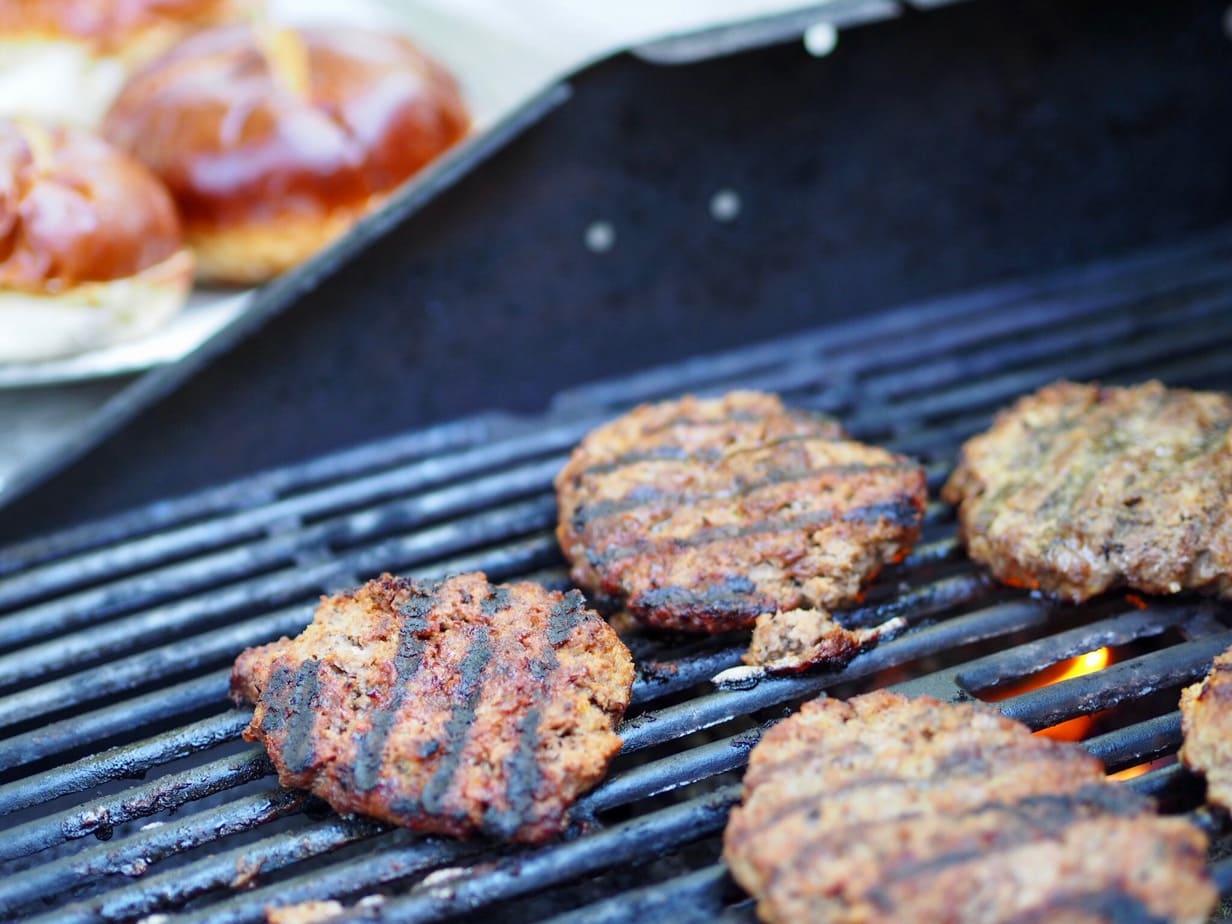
{"x":455,"y":707}
{"x":700,"y":515}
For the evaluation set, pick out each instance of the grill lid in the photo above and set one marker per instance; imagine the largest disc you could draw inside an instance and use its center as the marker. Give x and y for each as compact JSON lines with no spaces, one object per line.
{"x":117,"y":637}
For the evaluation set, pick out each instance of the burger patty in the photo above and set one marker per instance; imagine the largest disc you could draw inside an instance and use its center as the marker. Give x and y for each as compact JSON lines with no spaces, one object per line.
{"x":1206,"y":717}
{"x":700,"y":515}
{"x":884,"y":808}
{"x":455,"y":707}
{"x":1078,"y":489}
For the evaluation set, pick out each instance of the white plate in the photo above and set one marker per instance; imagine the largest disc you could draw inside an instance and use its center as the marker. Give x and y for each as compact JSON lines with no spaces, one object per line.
{"x":207,"y":313}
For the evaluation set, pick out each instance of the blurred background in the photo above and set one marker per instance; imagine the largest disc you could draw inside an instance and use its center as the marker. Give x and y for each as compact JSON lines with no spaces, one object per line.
{"x":649,"y":185}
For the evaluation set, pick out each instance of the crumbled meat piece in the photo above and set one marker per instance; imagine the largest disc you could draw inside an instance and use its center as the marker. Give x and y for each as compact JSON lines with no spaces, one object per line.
{"x":1206,"y":715}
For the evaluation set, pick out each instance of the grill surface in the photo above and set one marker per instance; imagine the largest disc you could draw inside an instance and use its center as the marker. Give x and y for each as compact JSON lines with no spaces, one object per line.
{"x":125,"y":791}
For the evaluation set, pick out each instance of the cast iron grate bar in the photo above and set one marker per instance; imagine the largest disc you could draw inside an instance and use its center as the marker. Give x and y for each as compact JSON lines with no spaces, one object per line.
{"x":118,"y":636}
{"x":258,"y":489}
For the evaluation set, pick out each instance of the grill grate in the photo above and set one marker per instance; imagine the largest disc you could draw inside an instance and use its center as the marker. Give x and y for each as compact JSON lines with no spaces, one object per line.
{"x":125,"y":792}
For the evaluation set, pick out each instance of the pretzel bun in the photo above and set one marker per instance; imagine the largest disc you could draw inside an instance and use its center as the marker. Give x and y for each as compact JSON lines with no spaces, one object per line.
{"x":90,"y":246}
{"x":274,"y":142}
{"x":65,"y":60}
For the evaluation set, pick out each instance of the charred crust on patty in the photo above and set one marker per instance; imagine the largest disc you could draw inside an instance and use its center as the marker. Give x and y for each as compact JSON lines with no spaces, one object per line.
{"x":702,"y":514}
{"x":454,"y":707}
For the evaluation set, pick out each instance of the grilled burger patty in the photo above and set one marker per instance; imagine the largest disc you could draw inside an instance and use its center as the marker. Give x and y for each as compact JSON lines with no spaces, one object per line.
{"x":455,"y":707}
{"x":1206,"y":717}
{"x":1078,"y":489}
{"x":884,"y":808}
{"x":700,"y":515}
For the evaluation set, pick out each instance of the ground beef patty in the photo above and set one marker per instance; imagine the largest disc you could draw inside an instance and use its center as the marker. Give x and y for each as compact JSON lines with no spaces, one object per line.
{"x":454,"y":707}
{"x":701,"y":514}
{"x":1206,"y":715}
{"x":884,"y":808}
{"x":1078,"y":489}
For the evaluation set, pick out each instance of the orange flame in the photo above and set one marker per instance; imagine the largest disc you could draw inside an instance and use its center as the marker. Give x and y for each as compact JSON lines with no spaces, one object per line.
{"x":1130,"y":772}
{"x":1076,"y":729}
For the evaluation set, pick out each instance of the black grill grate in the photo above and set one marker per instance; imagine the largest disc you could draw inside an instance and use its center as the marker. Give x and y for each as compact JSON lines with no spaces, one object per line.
{"x":125,"y":792}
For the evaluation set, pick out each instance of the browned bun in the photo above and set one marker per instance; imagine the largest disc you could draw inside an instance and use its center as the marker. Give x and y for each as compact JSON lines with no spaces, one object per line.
{"x":65,"y":60}
{"x":273,"y":142}
{"x":130,"y":29}
{"x":85,"y":229}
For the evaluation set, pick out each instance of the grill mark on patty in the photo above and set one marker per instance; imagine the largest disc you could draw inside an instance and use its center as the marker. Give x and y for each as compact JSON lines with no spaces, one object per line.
{"x":587,"y":514}
{"x":736,"y":596}
{"x":809,"y":801}
{"x":656,"y":454}
{"x":566,"y":616}
{"x":370,"y":756}
{"x":1111,"y":905}
{"x":466,"y":701}
{"x":680,"y":454}
{"x":522,"y":770}
{"x":899,"y":512}
{"x":944,"y":780}
{"x":1030,"y":819}
{"x":496,"y":601}
{"x":274,"y":719}
{"x":297,"y":747}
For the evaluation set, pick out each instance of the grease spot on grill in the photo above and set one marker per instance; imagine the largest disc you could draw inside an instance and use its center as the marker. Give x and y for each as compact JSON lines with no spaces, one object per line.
{"x":745,"y":741}
{"x":744,"y":677}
